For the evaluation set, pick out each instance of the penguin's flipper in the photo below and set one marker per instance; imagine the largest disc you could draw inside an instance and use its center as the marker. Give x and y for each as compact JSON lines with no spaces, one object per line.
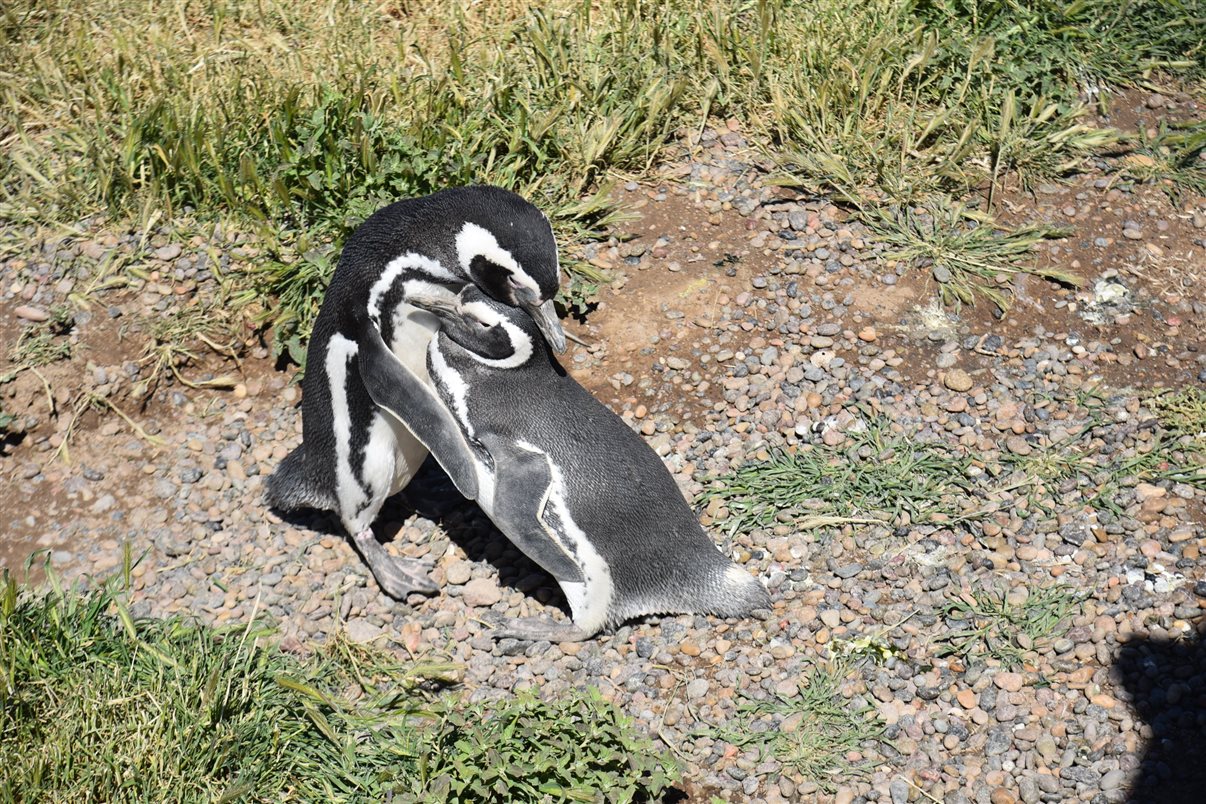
{"x":523,"y":483}
{"x":397,"y":577}
{"x":536,"y":629}
{"x":397,"y":391}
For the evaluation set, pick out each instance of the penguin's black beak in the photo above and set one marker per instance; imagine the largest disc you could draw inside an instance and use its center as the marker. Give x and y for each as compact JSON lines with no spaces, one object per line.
{"x":437,"y":305}
{"x":545,"y":316}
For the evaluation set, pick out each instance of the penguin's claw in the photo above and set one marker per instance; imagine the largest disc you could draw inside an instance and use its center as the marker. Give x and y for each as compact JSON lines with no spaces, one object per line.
{"x":397,"y":577}
{"x":535,"y":629}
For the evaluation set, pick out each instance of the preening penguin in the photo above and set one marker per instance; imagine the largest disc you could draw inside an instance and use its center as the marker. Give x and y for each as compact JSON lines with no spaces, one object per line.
{"x":352,"y":455}
{"x":561,"y":475}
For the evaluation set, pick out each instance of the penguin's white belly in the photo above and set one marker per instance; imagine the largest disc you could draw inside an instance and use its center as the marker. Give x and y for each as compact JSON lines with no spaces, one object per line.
{"x":413,"y":331}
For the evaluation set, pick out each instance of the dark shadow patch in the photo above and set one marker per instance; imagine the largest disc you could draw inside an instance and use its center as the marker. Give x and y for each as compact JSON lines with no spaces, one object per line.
{"x":432,"y":495}
{"x":9,"y":441}
{"x":1166,"y":684}
{"x":324,"y":522}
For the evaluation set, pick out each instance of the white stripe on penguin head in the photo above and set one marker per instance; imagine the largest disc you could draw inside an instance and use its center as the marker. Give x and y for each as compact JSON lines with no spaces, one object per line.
{"x":476,"y":241}
{"x":451,"y":384}
{"x":521,"y":344}
{"x":403,"y":262}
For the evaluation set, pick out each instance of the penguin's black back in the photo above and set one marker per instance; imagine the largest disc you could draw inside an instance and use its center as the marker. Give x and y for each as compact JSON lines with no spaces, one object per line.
{"x":618,"y":490}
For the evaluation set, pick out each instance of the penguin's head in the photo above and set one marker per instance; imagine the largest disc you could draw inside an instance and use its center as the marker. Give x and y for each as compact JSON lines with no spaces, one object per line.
{"x":507,"y":249}
{"x":492,"y":333}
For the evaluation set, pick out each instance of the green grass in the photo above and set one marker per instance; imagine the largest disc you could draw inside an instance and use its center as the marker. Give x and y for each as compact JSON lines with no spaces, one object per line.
{"x":1172,"y":159}
{"x":1175,"y":450}
{"x":1181,"y":412}
{"x":986,"y":622}
{"x":577,"y":749}
{"x":876,"y":473}
{"x":97,"y":705}
{"x":44,"y":342}
{"x":965,"y":256}
{"x":814,"y":730}
{"x":297,"y":120}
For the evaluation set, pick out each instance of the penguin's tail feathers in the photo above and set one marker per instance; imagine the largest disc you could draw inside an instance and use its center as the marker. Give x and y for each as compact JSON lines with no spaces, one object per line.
{"x":722,"y":589}
{"x":737,"y":593}
{"x":288,"y":488}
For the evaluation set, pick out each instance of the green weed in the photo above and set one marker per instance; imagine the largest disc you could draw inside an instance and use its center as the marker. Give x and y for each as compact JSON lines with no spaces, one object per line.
{"x":578,"y":749}
{"x":814,"y":730}
{"x":1182,"y":412}
{"x":96,"y":704}
{"x":966,"y":253}
{"x":1172,"y":158}
{"x":988,"y":622}
{"x":44,"y":342}
{"x":875,"y":473}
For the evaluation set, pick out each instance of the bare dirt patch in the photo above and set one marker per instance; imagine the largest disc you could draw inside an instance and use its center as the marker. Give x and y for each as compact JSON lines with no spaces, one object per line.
{"x":676,"y":267}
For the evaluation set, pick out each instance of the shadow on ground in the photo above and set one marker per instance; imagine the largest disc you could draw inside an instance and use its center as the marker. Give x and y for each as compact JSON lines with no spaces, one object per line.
{"x":432,"y":495}
{"x":1167,"y":686}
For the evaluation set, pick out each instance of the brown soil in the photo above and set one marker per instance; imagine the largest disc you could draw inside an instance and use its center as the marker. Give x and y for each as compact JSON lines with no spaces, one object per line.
{"x":713,"y":265}
{"x":1152,"y":343}
{"x":53,"y":396}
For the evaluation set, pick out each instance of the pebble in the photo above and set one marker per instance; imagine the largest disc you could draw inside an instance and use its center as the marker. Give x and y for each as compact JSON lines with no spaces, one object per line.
{"x":481,"y":593}
{"x":360,"y":630}
{"x":1010,"y":682}
{"x":957,"y":380}
{"x":31,"y":313}
{"x":458,"y":573}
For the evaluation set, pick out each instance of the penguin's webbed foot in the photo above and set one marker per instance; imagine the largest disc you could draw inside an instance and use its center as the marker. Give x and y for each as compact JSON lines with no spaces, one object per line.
{"x":397,"y":577}
{"x":535,"y":629}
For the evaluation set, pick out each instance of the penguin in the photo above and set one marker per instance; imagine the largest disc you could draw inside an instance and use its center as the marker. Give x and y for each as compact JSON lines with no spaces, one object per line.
{"x":353,"y":456}
{"x":561,"y":475}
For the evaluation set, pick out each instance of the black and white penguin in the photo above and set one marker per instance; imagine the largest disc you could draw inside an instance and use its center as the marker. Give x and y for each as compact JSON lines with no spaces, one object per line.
{"x":561,"y":475}
{"x":353,"y":456}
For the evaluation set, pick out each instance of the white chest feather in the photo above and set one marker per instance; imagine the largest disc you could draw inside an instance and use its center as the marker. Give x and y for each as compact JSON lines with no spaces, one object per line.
{"x":413,"y":331}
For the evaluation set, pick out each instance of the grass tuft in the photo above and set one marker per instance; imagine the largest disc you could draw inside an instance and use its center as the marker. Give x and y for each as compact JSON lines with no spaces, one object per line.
{"x":967,"y":254}
{"x":1172,"y":159}
{"x":174,"y":341}
{"x":1174,"y":449}
{"x":1181,"y":412}
{"x":988,"y":622}
{"x":44,"y":342}
{"x":875,"y":473}
{"x":814,"y":731}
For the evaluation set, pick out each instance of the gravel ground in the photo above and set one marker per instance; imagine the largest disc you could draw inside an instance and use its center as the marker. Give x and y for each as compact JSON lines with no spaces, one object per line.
{"x":748,"y":320}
